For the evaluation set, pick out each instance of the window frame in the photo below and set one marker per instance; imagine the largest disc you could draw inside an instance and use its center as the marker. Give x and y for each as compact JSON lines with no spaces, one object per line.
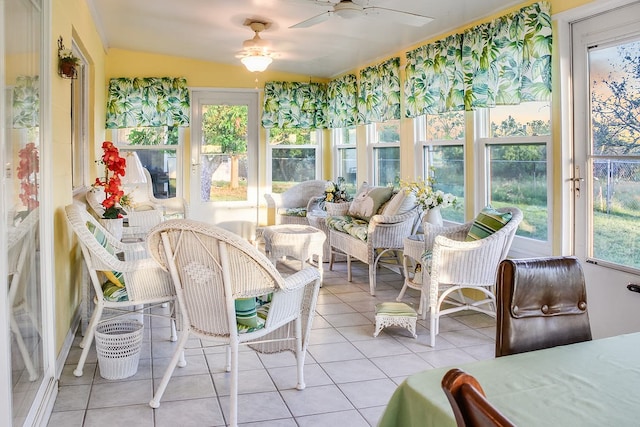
{"x":338,"y":146}
{"x":317,"y":147}
{"x":374,"y":144}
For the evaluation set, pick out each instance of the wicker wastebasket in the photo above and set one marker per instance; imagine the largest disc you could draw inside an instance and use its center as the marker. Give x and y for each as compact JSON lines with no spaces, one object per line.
{"x":118,"y":346}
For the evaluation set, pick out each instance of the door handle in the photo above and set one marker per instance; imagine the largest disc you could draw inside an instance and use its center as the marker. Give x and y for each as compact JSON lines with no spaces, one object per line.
{"x":633,"y":287}
{"x":576,"y":181}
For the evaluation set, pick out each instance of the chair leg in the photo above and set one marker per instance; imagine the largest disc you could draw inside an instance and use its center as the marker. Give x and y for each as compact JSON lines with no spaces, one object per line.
{"x":348,"y":268}
{"x":433,"y":326}
{"x":233,"y":398}
{"x":299,"y":354}
{"x":178,"y":355}
{"x":28,"y":364}
{"x":372,"y":278}
{"x":88,"y":338}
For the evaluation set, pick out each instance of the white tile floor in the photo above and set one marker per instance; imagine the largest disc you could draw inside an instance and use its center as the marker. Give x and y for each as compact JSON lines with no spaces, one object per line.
{"x":350,"y":375}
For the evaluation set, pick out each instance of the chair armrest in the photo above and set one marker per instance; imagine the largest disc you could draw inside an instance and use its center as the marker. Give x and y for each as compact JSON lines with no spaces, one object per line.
{"x":315,"y":203}
{"x":389,"y":231}
{"x":300,"y":279}
{"x":273,"y":200}
{"x":454,"y":232}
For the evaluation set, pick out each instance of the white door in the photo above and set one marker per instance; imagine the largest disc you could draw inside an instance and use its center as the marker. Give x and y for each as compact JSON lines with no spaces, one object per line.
{"x":224,"y":156}
{"x":606,"y":75}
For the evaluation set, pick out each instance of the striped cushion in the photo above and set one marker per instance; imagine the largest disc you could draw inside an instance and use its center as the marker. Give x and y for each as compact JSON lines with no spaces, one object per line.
{"x":395,"y":309}
{"x":114,"y":293}
{"x":486,"y":223}
{"x":114,"y":277}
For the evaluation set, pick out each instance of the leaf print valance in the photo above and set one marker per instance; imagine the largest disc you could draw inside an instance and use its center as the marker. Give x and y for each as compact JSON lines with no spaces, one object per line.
{"x":26,"y":102}
{"x":379,"y":94}
{"x":505,"y":61}
{"x":147,"y":102}
{"x":342,"y":102}
{"x":294,"y":105}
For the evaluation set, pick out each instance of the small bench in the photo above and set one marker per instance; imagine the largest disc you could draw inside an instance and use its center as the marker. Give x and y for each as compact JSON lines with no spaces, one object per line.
{"x":395,"y":314}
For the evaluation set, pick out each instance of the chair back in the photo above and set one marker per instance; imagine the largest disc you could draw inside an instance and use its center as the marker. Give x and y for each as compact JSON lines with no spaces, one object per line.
{"x":469,"y":403}
{"x":211,"y":267}
{"x":542,"y":303}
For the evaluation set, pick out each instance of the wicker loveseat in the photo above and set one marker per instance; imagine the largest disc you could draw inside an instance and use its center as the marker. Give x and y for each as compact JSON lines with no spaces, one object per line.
{"x":373,"y":239}
{"x":292,"y":205}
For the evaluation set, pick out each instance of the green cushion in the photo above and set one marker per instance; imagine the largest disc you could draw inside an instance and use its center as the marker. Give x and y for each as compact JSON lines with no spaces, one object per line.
{"x":395,"y":309}
{"x":301,"y":212}
{"x":247,"y":315}
{"x":114,"y":293}
{"x":486,"y":223}
{"x":358,"y":229}
{"x":368,"y":200}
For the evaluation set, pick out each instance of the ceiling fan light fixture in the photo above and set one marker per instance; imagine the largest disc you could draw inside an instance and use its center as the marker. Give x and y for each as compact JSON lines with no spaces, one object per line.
{"x":256,"y":62}
{"x":348,"y":10}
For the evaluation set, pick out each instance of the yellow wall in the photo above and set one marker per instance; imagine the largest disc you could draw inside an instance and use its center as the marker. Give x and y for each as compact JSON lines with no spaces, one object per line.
{"x":71,"y":19}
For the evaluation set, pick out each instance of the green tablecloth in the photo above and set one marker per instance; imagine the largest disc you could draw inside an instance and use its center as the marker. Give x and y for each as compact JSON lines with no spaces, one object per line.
{"x":593,"y":383}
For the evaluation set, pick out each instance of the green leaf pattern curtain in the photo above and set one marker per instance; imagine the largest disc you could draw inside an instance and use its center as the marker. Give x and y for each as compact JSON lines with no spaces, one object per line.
{"x":379,"y":94}
{"x":147,"y":102}
{"x":26,"y":102}
{"x":342,"y":102}
{"x":505,"y":61}
{"x":294,"y":105}
{"x":434,"y":78}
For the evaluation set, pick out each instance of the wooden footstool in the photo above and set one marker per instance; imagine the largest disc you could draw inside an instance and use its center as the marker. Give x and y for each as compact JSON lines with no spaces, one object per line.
{"x":395,"y":314}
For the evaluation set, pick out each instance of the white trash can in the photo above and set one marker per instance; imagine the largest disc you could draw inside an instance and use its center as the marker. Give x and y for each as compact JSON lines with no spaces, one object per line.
{"x":118,"y":345}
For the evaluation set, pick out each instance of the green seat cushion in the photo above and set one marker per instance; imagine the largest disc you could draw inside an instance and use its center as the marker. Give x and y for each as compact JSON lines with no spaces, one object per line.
{"x":357,"y":229}
{"x":486,"y":223}
{"x":114,"y":293}
{"x":301,"y":212}
{"x":338,"y":222}
{"x":395,"y":309}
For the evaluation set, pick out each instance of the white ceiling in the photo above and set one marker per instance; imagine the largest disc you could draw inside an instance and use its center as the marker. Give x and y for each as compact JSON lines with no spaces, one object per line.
{"x":213,"y":30}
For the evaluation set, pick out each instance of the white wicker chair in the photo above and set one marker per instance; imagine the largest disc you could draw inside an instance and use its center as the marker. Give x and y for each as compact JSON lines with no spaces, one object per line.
{"x":305,"y":195}
{"x":171,"y":208}
{"x":385,"y":239}
{"x":457,"y":264}
{"x":146,"y":283}
{"x":21,"y":262}
{"x":211,"y":268}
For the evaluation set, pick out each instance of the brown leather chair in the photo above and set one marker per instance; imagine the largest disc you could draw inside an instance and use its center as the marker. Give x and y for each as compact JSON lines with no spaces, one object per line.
{"x":469,"y":403}
{"x":542,"y":303}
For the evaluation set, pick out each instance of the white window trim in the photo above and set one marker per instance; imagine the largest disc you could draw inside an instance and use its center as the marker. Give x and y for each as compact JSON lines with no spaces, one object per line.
{"x":317,"y":146}
{"x":372,"y":145}
{"x":337,"y":143}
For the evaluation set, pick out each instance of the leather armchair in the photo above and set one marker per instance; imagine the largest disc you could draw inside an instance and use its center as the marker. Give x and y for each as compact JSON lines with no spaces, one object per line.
{"x":542,"y":303}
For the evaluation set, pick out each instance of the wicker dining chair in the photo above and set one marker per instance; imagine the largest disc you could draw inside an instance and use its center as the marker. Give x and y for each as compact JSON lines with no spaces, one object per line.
{"x":108,"y":260}
{"x":214,"y":272}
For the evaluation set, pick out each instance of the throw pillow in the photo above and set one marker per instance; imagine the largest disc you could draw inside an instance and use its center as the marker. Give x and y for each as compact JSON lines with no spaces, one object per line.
{"x":399,"y":204}
{"x":114,"y":277}
{"x":486,"y":223}
{"x":368,"y":200}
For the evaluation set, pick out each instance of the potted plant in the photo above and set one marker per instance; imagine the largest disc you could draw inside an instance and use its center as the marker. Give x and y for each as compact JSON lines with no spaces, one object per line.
{"x":114,"y":197}
{"x":336,"y":198}
{"x":67,"y":64}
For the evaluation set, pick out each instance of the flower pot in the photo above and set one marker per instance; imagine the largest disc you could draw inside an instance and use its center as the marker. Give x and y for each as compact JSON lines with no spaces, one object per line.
{"x":67,"y":69}
{"x":337,"y":209}
{"x":434,"y":216}
{"x":114,"y":226}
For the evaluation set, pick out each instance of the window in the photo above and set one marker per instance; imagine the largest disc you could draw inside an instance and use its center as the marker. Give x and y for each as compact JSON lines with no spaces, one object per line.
{"x":345,"y":155}
{"x":384,"y":142}
{"x":515,"y":162}
{"x":441,"y":139}
{"x":159,"y":150}
{"x":294,"y":156}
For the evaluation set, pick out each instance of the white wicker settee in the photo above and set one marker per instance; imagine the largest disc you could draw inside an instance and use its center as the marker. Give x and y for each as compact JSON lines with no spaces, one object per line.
{"x":292,"y":205}
{"x":373,"y":239}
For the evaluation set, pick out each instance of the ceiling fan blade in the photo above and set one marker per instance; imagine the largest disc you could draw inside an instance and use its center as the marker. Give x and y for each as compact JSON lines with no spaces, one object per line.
{"x":408,"y":18}
{"x":313,"y":21}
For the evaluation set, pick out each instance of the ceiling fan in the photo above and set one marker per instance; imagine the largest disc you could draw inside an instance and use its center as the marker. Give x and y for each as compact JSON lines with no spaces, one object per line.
{"x":256,"y":54}
{"x":350,"y":9}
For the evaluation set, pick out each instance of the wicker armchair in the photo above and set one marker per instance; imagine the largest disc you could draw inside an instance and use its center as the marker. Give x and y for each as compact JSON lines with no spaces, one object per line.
{"x":292,"y":205}
{"x":21,"y":260}
{"x":105,"y":256}
{"x":213,"y":270}
{"x":457,"y":264}
{"x":385,"y":239}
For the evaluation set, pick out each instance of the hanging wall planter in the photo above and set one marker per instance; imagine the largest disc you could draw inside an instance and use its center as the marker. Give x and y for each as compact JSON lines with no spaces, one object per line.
{"x":67,"y":63}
